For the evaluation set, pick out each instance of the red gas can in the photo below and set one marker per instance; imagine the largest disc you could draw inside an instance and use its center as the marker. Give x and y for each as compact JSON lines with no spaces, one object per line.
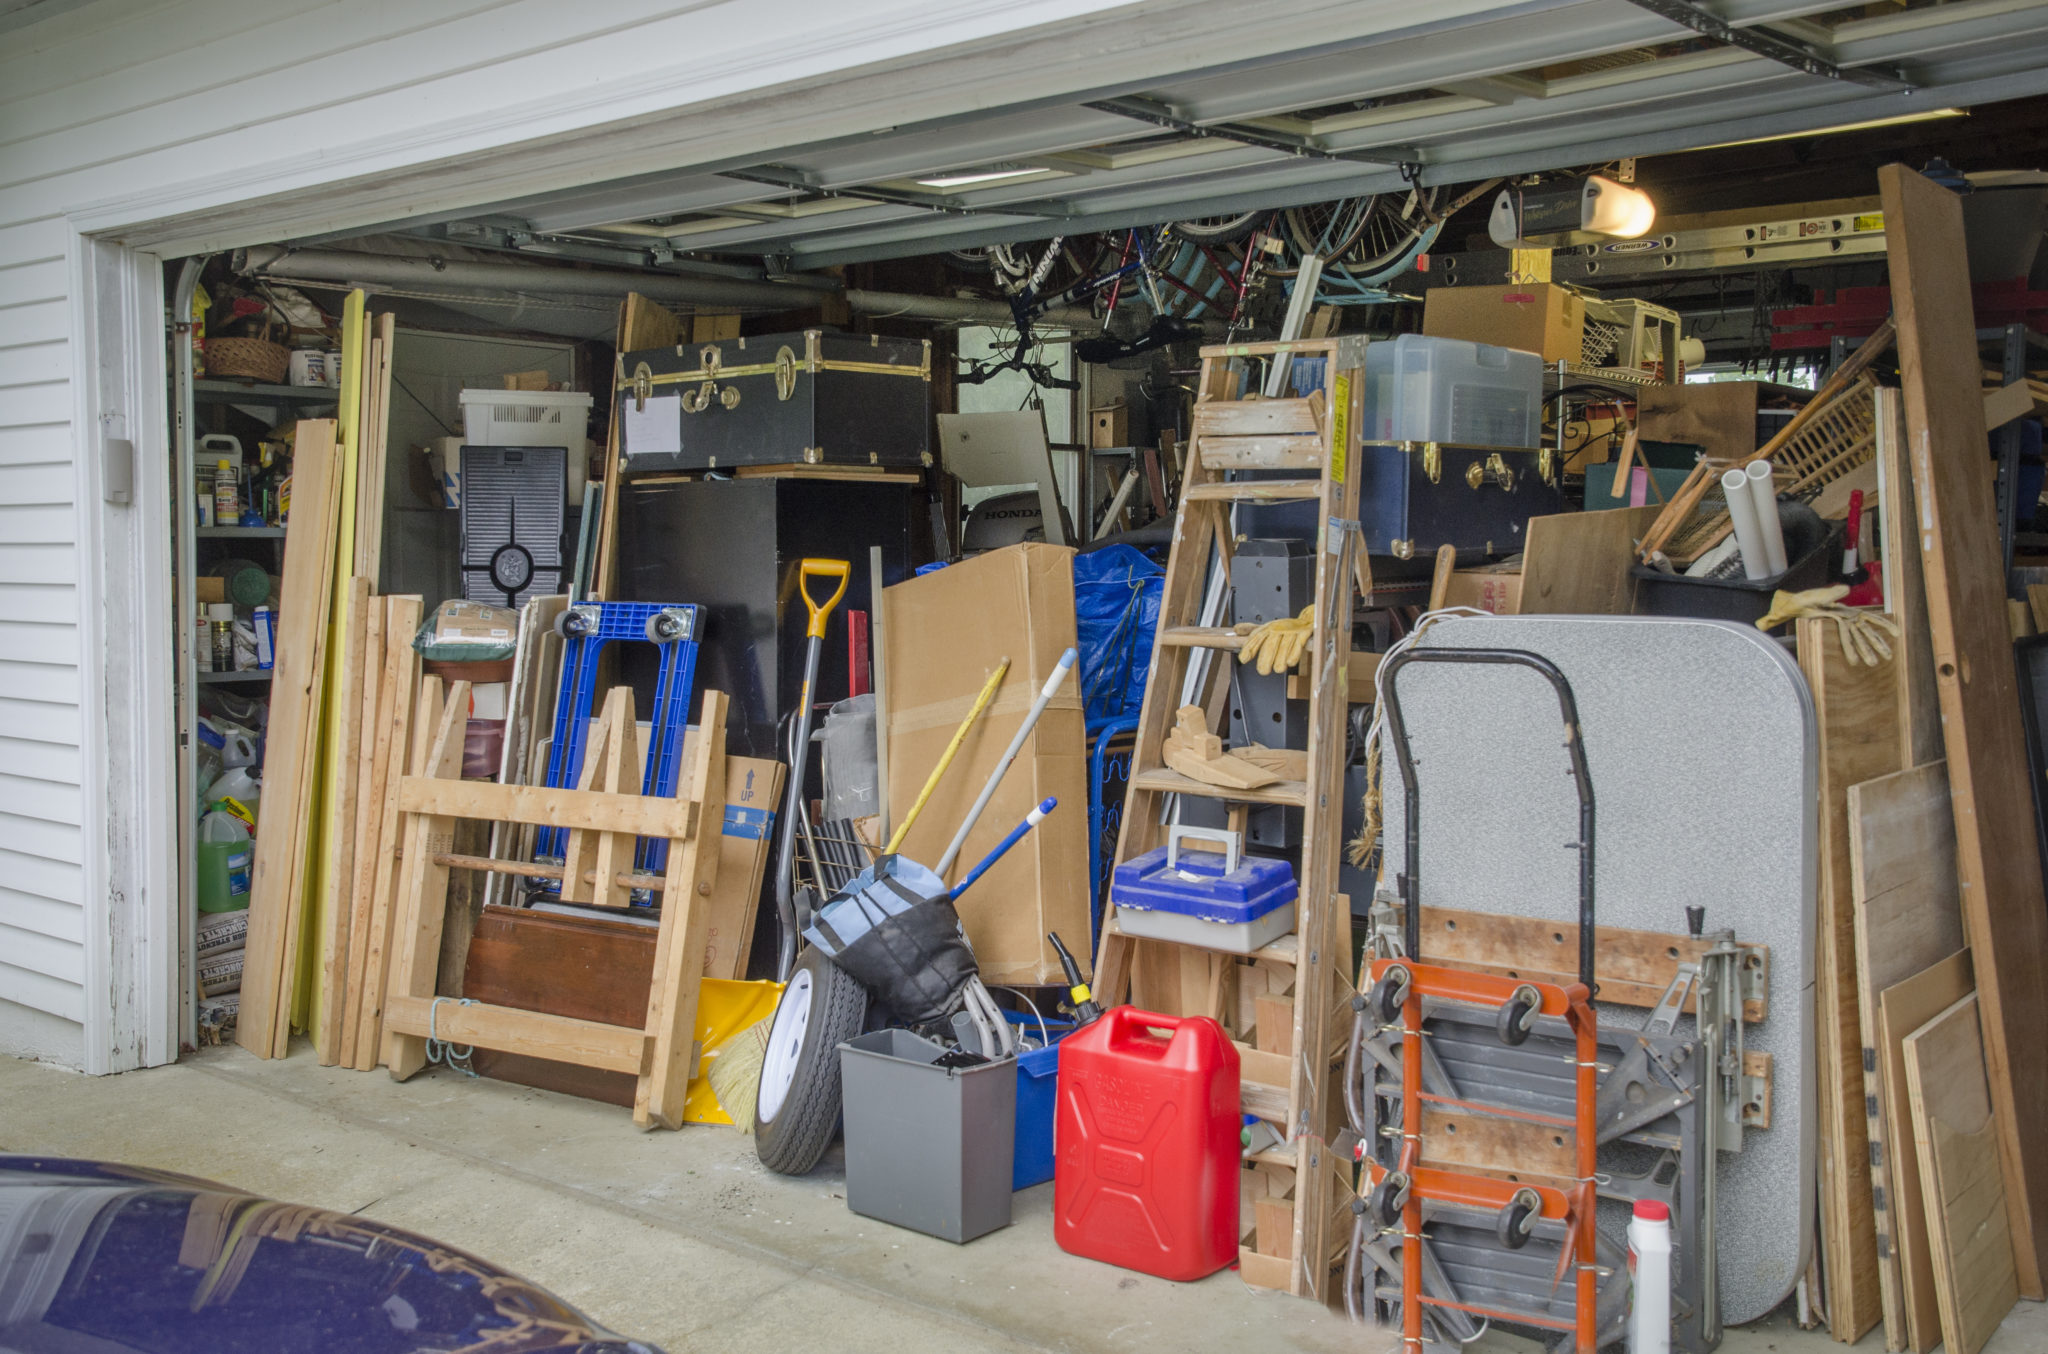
{"x":1147,"y":1142}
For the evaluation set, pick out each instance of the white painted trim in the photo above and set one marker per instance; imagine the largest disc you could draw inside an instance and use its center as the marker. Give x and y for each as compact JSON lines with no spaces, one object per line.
{"x":127,"y":740}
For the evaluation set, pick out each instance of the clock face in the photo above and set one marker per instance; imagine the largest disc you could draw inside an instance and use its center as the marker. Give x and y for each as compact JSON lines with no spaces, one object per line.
{"x":511,"y":569}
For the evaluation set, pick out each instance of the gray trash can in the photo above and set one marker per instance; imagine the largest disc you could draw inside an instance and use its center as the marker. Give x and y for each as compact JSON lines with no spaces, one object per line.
{"x":928,"y":1148}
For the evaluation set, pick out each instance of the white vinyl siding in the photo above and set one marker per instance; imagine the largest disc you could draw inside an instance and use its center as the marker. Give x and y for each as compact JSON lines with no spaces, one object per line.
{"x":42,"y":925}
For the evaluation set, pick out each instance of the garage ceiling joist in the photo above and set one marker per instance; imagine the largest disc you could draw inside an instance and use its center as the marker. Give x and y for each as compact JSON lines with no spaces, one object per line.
{"x":1486,"y":90}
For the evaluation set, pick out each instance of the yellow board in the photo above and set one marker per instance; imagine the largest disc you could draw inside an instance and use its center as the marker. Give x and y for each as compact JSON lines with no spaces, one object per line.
{"x":329,"y":761}
{"x":724,"y":1008}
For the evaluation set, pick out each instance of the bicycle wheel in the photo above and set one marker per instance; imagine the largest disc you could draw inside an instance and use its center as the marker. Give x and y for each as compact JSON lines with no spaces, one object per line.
{"x":1220,"y":229}
{"x":1326,"y":228}
{"x":1392,"y":230}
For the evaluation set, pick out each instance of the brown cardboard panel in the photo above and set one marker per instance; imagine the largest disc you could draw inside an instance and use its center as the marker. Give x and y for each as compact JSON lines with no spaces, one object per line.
{"x":1539,"y":317}
{"x":947,"y":632}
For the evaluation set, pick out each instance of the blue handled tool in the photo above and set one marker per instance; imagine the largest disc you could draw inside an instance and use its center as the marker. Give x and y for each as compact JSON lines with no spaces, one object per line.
{"x":1016,"y":834}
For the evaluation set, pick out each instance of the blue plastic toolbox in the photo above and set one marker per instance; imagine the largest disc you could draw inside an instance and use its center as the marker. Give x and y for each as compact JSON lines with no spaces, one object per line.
{"x":1227,"y":901}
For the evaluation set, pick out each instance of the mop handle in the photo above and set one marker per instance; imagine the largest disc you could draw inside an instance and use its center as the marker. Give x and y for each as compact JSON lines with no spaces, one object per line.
{"x":1059,"y":674}
{"x":988,"y":693}
{"x":1031,"y":820}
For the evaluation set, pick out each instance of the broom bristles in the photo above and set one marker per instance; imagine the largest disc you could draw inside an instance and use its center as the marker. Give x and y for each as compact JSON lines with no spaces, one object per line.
{"x":735,"y":1074}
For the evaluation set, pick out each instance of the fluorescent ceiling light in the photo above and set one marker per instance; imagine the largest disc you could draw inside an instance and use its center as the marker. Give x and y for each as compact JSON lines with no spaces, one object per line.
{"x":966,"y":177}
{"x":1930,"y":115}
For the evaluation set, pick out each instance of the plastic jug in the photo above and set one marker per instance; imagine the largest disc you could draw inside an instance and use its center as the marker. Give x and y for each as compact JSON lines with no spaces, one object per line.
{"x":1147,"y":1144}
{"x":225,"y":857}
{"x":237,"y":784}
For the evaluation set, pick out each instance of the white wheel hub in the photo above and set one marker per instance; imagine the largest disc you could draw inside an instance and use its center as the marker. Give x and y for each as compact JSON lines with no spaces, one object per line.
{"x":785,"y":1045}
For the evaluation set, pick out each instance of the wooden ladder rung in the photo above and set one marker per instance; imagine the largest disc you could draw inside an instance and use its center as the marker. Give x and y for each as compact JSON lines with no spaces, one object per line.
{"x":1202,"y":637}
{"x":1258,"y":418}
{"x":1237,"y":490}
{"x":1291,"y":794}
{"x":1276,"y":452}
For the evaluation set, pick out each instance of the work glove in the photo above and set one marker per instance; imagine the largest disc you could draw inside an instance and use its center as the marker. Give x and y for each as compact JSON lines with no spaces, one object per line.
{"x":1278,"y":645}
{"x":1862,"y":630}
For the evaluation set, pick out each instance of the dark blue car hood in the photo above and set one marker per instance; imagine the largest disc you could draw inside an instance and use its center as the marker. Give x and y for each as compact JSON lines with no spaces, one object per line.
{"x":104,"y":1259}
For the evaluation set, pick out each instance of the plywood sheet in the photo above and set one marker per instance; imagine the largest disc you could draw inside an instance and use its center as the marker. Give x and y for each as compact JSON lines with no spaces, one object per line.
{"x":1859,"y":741}
{"x":2003,"y":910}
{"x":1964,"y":1193}
{"x":1901,"y":1009}
{"x":1902,"y":858}
{"x":1662,"y":702}
{"x":1577,"y":563}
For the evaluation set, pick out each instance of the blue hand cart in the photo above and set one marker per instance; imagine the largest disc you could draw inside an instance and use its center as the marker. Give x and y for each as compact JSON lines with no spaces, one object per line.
{"x":673,"y":628}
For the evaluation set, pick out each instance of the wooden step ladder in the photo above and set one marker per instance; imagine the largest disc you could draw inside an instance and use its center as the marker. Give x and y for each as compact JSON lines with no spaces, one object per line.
{"x":1285,"y":1006}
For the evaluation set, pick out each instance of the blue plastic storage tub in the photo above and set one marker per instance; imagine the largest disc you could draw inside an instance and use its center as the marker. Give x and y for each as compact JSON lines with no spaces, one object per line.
{"x":1037,"y":1098}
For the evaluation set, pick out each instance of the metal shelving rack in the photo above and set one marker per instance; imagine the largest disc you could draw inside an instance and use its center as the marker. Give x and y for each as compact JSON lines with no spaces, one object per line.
{"x":187,"y":395}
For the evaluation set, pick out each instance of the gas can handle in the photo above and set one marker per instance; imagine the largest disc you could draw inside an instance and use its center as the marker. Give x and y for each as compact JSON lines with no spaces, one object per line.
{"x":1231,"y":842}
{"x":1126,"y":1023}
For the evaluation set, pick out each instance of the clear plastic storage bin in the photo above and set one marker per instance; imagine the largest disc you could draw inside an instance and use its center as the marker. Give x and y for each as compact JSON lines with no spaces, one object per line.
{"x":1421,"y":389}
{"x":531,"y":418}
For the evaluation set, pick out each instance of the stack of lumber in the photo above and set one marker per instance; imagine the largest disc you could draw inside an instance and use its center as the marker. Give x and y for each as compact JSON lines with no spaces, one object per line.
{"x":1933,"y":1076}
{"x":308,"y":845}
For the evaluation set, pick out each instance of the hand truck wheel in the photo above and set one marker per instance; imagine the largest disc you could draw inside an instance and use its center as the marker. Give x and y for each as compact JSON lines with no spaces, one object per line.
{"x":1517,"y":1016}
{"x":1388,"y":1198}
{"x":1517,"y":1221}
{"x":1390,"y":994}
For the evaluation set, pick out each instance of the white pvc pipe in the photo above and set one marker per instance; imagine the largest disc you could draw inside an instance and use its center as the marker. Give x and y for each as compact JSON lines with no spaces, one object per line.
{"x":1748,"y":532}
{"x":1763,"y":494}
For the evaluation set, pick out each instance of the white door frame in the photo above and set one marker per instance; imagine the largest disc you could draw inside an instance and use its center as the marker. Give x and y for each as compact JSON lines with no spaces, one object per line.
{"x":132,"y":951}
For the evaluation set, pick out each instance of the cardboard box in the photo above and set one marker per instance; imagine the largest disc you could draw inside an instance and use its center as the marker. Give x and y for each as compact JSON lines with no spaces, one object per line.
{"x":946,"y":633}
{"x":1538,"y":317}
{"x":1498,"y":590}
{"x":1109,"y":426}
{"x":1717,"y":415}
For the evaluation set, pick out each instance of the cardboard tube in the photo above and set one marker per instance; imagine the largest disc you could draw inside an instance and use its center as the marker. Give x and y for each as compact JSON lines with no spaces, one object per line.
{"x":1748,"y":533}
{"x":1764,"y":495}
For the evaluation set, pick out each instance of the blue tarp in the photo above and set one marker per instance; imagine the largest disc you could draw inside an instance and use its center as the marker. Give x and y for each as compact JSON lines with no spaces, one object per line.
{"x":1116,"y":612}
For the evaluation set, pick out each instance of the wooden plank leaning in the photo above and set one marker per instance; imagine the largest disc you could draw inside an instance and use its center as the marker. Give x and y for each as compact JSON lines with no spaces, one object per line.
{"x":2004,"y":916}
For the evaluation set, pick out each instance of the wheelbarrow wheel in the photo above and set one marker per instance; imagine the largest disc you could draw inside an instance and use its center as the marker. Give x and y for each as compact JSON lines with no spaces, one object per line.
{"x":796,"y":1111}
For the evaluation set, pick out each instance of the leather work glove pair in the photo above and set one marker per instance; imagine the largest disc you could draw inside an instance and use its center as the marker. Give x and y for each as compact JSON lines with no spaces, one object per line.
{"x":1862,"y":630}
{"x":1278,"y":645}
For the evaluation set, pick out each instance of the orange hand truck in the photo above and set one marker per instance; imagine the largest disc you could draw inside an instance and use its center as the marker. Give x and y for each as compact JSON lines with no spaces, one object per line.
{"x":1395,"y":1195}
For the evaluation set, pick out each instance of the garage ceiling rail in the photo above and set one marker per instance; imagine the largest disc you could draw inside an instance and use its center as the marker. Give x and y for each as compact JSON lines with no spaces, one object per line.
{"x":1494,"y":90}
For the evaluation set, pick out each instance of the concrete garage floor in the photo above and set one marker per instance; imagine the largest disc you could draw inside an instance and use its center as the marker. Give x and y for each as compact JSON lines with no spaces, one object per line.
{"x":677,"y":1238}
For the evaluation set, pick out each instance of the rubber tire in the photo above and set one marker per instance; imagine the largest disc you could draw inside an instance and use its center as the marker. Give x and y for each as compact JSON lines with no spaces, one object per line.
{"x":792,"y":1142}
{"x":1512,"y":1022}
{"x":1509,"y":1227}
{"x":1385,"y":1005}
{"x":1222,"y":229}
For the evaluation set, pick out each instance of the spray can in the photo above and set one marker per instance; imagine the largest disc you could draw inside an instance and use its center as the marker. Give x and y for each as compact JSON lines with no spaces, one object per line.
{"x":221,"y":622}
{"x":1649,"y":1269}
{"x":266,"y":637}
{"x":227,"y":508}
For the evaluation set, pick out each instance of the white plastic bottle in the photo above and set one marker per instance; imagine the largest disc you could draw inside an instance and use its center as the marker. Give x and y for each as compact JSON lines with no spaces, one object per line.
{"x":1649,"y":1269}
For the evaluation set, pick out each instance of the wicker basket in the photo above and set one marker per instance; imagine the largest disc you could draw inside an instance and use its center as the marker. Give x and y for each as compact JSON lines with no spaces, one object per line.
{"x":253,"y":358}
